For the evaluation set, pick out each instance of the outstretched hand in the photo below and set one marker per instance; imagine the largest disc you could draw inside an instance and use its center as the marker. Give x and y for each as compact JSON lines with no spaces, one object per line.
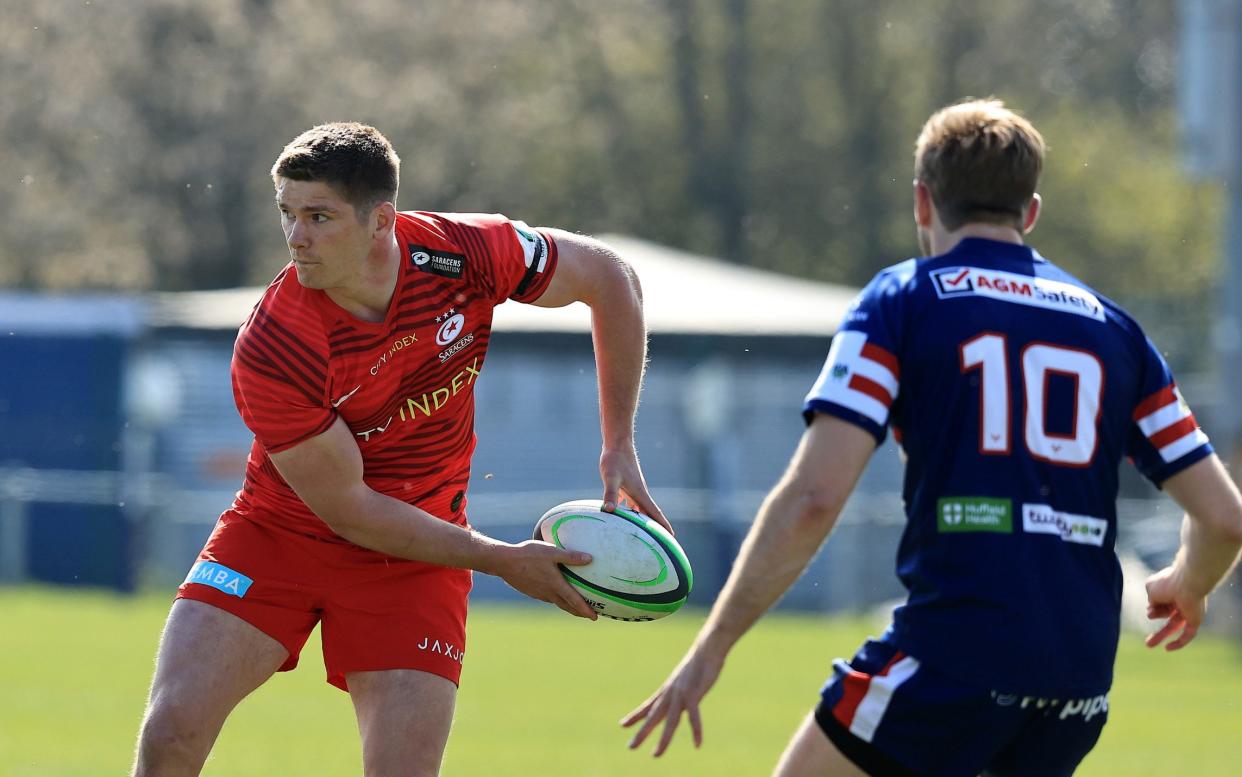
{"x":681,"y":693}
{"x":1167,"y":597}
{"x":624,"y":482}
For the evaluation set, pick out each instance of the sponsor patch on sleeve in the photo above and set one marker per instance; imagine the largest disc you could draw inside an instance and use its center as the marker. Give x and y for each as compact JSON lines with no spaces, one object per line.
{"x":534,"y":247}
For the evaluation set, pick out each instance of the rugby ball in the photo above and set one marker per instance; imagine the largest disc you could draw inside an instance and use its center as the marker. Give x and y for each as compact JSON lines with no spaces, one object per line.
{"x":638,"y":572}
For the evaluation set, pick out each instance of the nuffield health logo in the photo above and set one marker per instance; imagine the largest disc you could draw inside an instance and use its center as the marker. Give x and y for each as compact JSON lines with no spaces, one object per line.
{"x":974,"y":513}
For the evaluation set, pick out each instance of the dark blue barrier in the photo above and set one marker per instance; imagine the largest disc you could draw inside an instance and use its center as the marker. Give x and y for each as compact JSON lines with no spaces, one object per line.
{"x":60,"y":409}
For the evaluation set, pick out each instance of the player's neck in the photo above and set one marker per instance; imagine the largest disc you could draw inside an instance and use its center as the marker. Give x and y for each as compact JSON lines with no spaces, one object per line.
{"x":370,"y":294}
{"x":943,"y":242}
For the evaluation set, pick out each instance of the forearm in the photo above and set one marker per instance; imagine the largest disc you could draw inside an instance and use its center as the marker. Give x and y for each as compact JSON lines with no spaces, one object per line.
{"x":619,"y":335}
{"x":381,"y":523}
{"x":1207,"y":554}
{"x":789,"y":529}
{"x":1212,"y":528}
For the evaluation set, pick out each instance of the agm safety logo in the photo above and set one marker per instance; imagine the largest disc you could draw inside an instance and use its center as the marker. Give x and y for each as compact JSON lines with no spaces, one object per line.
{"x":953,"y":282}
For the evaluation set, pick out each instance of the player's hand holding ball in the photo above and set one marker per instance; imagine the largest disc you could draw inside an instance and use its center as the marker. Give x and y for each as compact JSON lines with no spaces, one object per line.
{"x":533,"y":568}
{"x":638,"y":572}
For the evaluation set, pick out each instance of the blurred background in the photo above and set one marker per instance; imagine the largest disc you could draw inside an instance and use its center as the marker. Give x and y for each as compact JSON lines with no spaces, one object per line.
{"x":752,"y":159}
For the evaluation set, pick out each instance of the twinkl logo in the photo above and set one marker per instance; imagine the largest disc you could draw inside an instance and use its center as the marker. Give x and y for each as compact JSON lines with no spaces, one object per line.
{"x":1028,"y":290}
{"x":1082,"y":529}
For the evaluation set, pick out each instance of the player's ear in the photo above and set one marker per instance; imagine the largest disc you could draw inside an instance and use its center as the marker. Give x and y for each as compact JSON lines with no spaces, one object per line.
{"x":383,"y":217}
{"x":1032,"y":213}
{"x":923,"y":207}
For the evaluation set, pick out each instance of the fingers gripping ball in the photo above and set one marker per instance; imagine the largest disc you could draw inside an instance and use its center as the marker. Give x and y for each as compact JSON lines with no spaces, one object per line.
{"x":638,"y":571}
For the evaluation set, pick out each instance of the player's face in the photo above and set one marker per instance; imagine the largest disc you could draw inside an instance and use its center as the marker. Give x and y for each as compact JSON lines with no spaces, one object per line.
{"x":326,"y":242}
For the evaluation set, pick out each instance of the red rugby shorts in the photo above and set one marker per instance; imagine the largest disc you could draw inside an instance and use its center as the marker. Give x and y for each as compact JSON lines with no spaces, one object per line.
{"x":378,"y":612}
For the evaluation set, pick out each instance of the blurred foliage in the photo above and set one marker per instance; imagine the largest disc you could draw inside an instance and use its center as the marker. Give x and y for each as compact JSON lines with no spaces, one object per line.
{"x":135,"y":137}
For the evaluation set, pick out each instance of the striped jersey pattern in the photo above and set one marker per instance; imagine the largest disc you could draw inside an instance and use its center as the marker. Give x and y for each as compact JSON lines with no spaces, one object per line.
{"x":1015,"y":391}
{"x":403,"y":385}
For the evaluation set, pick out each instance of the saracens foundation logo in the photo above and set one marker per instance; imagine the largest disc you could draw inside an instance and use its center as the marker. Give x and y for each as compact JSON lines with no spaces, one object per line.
{"x":443,"y":263}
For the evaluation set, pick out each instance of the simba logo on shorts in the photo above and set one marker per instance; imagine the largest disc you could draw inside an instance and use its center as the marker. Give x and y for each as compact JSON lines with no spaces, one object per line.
{"x":219,"y":577}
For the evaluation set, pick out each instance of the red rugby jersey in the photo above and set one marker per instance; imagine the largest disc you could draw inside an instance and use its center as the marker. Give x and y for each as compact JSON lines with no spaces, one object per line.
{"x":404,"y":385}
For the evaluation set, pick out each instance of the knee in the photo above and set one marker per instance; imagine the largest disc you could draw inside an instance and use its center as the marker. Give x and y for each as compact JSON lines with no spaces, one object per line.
{"x":172,"y":741}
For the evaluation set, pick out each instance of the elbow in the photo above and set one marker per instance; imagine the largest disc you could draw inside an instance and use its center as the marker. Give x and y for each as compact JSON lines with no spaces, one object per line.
{"x":1230,"y":529}
{"x":816,"y":508}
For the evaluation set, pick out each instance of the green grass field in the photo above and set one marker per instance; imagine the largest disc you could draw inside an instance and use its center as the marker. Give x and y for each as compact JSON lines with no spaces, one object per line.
{"x":541,"y":695}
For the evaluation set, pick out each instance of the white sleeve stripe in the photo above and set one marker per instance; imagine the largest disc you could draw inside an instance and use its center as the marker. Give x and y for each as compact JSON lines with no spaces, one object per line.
{"x":844,"y":360}
{"x":878,"y":373}
{"x":1163,"y":418}
{"x":1181,"y":446}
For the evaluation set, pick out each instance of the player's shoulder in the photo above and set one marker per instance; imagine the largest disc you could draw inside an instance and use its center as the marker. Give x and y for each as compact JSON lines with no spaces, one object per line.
{"x":287,"y":317}
{"x":456,"y":231}
{"x":1112,"y":311}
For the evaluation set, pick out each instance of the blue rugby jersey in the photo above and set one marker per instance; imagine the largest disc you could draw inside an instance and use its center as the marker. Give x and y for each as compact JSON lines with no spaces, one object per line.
{"x":1014,"y":390}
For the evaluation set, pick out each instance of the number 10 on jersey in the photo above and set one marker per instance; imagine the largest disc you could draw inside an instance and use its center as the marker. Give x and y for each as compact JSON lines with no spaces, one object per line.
{"x":988,"y":353}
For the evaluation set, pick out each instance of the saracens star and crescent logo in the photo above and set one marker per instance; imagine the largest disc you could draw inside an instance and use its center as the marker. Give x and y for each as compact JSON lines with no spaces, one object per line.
{"x":451,"y":325}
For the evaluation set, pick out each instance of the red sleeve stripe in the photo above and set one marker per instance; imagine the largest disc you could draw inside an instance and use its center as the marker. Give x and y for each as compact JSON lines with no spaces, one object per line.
{"x":1175,"y":432}
{"x":877,"y":354}
{"x":865,"y":385}
{"x":287,"y":342}
{"x":255,"y":344}
{"x":262,"y":366}
{"x":1156,"y":401}
{"x":265,"y":322}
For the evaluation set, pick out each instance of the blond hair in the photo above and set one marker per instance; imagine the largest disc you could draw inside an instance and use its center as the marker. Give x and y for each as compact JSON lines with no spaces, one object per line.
{"x":980,"y":161}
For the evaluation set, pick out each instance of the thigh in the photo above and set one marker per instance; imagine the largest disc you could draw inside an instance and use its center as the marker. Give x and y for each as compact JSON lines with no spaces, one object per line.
{"x":210,"y":659}
{"x":812,"y":754}
{"x":389,"y":614}
{"x":266,"y":578}
{"x":404,"y":717}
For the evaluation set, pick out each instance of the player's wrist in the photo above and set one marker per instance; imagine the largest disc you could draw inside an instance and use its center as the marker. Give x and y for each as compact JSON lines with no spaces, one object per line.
{"x":491,"y":556}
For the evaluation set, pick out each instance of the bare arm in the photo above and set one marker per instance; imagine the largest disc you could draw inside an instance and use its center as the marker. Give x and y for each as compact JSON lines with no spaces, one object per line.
{"x":326,"y":473}
{"x":1211,"y":539}
{"x":792,"y":524}
{"x":591,"y":272}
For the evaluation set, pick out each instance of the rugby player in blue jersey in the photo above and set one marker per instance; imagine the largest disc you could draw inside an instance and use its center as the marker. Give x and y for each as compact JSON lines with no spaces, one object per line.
{"x":1015,"y":391}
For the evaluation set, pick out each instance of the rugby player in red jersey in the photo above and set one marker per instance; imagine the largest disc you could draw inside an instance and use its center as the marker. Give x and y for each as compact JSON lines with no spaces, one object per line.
{"x":356,"y":372}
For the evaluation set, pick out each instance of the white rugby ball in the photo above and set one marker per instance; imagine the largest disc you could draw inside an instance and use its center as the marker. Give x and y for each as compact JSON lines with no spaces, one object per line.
{"x":638,"y":572}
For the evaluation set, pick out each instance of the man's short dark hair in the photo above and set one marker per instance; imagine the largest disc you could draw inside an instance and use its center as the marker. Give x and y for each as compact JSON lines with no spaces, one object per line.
{"x":356,"y":160}
{"x":980,"y":161}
